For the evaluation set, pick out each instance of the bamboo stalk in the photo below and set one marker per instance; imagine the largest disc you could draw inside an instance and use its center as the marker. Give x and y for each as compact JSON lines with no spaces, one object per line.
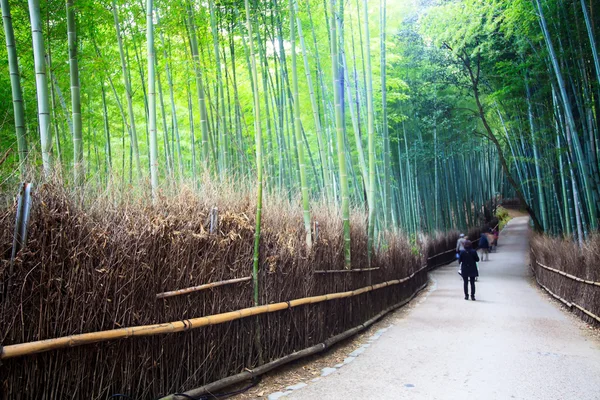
{"x":128,"y":92}
{"x":152,"y":99}
{"x":75,"y":95}
{"x":41,"y":82}
{"x":40,"y":346}
{"x":198,"y":288}
{"x":15,"y":82}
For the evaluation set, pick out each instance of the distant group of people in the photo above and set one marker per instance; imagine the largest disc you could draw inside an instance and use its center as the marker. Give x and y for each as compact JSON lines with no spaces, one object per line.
{"x":468,"y":257}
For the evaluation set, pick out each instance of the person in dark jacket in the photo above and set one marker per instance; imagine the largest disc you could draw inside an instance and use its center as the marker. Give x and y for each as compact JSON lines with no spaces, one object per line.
{"x":468,"y":259}
{"x":484,"y":246}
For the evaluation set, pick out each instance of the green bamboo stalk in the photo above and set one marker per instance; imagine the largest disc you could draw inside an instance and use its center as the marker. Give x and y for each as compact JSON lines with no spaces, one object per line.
{"x":297,"y":129}
{"x":371,"y":135}
{"x":590,"y":31}
{"x":206,"y":138}
{"x":41,"y":86}
{"x":591,"y":192}
{"x":173,"y":108}
{"x":315,"y":109}
{"x":75,"y":95}
{"x":221,"y":123}
{"x":152,"y":100}
{"x":536,"y":158}
{"x":339,"y":124}
{"x":15,"y":83}
{"x":128,"y":92}
{"x":259,"y":156}
{"x":386,"y":136}
{"x":106,"y":131}
{"x":169,"y":162}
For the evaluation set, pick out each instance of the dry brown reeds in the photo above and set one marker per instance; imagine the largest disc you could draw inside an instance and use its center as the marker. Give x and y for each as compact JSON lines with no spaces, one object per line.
{"x":97,"y":265}
{"x":566,"y":256}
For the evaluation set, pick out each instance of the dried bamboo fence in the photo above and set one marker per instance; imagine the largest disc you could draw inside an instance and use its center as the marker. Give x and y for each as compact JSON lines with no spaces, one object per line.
{"x":569,"y":273}
{"x":87,"y":271}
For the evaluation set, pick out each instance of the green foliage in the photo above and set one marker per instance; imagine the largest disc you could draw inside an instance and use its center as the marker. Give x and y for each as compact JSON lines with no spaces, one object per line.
{"x":503,"y":217}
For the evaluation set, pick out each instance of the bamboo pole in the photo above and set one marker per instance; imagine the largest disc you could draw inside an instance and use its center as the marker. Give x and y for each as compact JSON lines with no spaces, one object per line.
{"x":75,"y":95}
{"x":41,"y":82}
{"x":15,"y":82}
{"x":335,"y":271}
{"x":297,"y":131}
{"x":128,"y":92}
{"x":339,"y":126}
{"x":40,"y":346}
{"x":198,"y":288}
{"x":152,"y":99}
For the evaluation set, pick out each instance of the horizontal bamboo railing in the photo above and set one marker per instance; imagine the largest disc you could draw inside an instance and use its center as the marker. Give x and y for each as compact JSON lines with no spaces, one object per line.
{"x":568,"y":303}
{"x":22,"y":349}
{"x":336,"y":271}
{"x":253,"y":373}
{"x":442,"y":253}
{"x":573,"y":277}
{"x":201,"y":287}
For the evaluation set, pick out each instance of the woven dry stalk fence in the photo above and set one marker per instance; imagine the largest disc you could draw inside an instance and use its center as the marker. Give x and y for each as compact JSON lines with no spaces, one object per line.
{"x":90,"y":269}
{"x":569,"y":273}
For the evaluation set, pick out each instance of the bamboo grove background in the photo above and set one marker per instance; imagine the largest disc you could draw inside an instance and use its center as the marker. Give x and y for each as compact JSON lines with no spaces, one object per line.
{"x":156,"y":116}
{"x":479,"y":97}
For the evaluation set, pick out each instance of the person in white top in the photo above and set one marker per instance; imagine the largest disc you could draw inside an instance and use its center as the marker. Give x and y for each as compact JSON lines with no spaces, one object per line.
{"x":460,"y":244}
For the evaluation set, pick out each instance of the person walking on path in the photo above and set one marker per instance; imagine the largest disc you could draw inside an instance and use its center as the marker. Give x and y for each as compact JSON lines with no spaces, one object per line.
{"x":468,"y":260}
{"x":460,"y":243}
{"x":495,"y":233}
{"x":484,"y":246}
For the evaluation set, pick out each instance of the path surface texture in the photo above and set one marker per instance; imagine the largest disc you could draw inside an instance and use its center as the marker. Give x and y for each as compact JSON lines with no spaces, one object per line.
{"x":512,"y":343}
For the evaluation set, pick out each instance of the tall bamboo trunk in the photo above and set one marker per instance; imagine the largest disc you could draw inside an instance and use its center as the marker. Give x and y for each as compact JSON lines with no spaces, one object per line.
{"x":41,"y":83}
{"x":206,"y":138}
{"x":371,"y":134}
{"x":173,"y":108}
{"x":385,"y":131}
{"x":128,"y":92}
{"x":15,"y":83}
{"x":339,"y":125}
{"x":590,"y":190}
{"x":221,"y":122}
{"x":298,"y":129}
{"x":75,"y":95}
{"x":536,"y":158}
{"x":106,"y":132}
{"x":152,"y":100}
{"x":259,"y":155}
{"x":315,"y":110}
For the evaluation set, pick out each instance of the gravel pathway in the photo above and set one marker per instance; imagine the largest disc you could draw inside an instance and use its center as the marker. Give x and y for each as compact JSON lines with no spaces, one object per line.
{"x":512,"y":343}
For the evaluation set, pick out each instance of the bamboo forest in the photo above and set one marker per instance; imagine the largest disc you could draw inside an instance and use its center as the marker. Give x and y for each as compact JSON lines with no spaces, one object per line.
{"x":215,"y":162}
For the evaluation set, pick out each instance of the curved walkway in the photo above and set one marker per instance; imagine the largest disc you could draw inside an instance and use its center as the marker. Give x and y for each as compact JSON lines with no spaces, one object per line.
{"x":512,"y":343}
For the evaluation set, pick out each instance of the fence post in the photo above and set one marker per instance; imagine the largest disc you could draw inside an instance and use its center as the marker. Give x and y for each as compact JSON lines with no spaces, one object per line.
{"x":20,"y":235}
{"x":214,"y":219}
